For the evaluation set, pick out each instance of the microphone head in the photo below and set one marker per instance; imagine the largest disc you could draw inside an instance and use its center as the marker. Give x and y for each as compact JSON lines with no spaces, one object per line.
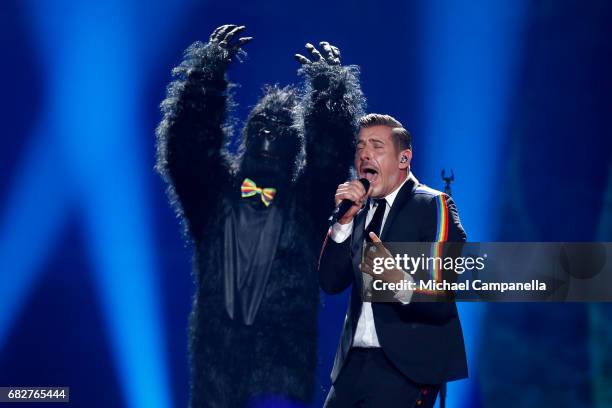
{"x":365,"y":183}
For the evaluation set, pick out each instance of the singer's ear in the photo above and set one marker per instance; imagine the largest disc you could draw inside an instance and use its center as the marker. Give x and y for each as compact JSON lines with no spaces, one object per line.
{"x":405,"y":156}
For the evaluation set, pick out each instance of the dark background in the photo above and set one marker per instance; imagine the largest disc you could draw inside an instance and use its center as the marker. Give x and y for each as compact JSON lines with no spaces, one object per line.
{"x":95,"y":284}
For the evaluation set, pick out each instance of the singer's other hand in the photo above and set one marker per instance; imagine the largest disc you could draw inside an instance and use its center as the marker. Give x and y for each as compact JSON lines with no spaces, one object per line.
{"x":355,"y":192}
{"x":378,"y":250}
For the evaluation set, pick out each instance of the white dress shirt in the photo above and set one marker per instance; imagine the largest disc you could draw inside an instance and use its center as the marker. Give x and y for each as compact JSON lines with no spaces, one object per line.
{"x":365,"y":334}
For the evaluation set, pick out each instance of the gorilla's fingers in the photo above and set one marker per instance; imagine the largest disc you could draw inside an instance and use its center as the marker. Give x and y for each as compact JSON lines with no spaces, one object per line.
{"x":244,"y":40}
{"x":314,"y":52}
{"x":329,"y":54}
{"x":213,"y":36}
{"x":232,"y":33}
{"x":235,"y":48}
{"x":302,"y":59}
{"x":336,"y":51}
{"x":224,"y":29}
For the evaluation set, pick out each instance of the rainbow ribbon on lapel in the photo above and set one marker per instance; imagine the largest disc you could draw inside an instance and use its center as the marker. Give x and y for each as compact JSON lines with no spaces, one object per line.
{"x":250,"y":189}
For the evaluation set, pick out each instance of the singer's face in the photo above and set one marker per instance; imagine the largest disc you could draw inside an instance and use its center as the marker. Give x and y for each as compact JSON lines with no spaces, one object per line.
{"x":378,"y":160}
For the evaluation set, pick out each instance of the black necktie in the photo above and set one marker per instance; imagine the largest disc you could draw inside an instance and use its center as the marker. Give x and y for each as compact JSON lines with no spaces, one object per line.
{"x":375,"y":224}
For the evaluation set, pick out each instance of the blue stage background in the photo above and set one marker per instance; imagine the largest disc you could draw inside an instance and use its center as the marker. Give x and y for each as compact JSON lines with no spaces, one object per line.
{"x":95,"y":284}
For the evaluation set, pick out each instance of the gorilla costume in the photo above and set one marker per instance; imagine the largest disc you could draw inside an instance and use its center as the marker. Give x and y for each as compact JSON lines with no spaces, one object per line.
{"x":255,"y":218}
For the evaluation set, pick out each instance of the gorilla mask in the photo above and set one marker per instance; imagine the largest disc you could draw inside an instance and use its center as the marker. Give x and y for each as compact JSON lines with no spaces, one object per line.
{"x":272,"y":144}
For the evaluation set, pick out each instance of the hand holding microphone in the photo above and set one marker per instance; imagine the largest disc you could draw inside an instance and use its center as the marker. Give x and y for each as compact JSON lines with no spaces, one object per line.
{"x":350,"y":197}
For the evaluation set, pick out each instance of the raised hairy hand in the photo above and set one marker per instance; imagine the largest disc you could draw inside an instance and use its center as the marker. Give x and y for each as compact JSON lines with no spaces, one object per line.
{"x":330,"y":55}
{"x":226,"y":38}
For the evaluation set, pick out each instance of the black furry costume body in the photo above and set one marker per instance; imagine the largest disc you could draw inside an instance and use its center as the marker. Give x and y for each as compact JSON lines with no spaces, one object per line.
{"x":253,"y":327}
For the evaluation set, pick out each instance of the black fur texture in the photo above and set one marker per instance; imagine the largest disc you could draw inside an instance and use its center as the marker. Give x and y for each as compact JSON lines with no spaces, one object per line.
{"x":232,"y":362}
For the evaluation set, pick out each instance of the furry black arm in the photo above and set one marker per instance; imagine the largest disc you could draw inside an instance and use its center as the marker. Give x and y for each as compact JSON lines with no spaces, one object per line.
{"x":330,"y":108}
{"x":190,"y":137}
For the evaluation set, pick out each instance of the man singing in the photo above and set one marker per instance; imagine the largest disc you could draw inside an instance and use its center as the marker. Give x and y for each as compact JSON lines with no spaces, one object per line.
{"x":390,"y":354}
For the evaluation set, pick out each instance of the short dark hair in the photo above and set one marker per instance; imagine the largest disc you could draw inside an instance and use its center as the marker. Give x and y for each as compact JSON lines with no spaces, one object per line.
{"x":401,"y":137}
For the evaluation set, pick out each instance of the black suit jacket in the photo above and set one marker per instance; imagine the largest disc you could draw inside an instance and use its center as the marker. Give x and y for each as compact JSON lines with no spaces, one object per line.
{"x":423,"y":339}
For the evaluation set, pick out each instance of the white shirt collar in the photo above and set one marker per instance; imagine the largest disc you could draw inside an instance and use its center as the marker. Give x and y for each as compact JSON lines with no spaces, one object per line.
{"x":390,"y":198}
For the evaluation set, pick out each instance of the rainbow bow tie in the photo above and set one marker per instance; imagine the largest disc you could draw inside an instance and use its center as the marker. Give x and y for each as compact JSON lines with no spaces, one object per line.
{"x":250,"y":189}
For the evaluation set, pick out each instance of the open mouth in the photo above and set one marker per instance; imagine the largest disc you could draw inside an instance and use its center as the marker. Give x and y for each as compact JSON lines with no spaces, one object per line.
{"x":369,"y":173}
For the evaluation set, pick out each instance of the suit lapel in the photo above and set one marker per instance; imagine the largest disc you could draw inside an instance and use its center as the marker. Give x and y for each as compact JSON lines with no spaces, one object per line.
{"x":402,"y":197}
{"x":357,"y":241}
{"x":359,"y":227}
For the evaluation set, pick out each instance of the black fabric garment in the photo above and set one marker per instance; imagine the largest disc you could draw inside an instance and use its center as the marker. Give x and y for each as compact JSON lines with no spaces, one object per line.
{"x":251,"y":238}
{"x":239,"y":361}
{"x":370,"y":380}
{"x":377,"y":220}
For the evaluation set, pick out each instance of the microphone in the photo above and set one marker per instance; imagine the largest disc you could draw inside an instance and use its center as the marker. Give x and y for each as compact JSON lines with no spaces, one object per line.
{"x":346,"y":204}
